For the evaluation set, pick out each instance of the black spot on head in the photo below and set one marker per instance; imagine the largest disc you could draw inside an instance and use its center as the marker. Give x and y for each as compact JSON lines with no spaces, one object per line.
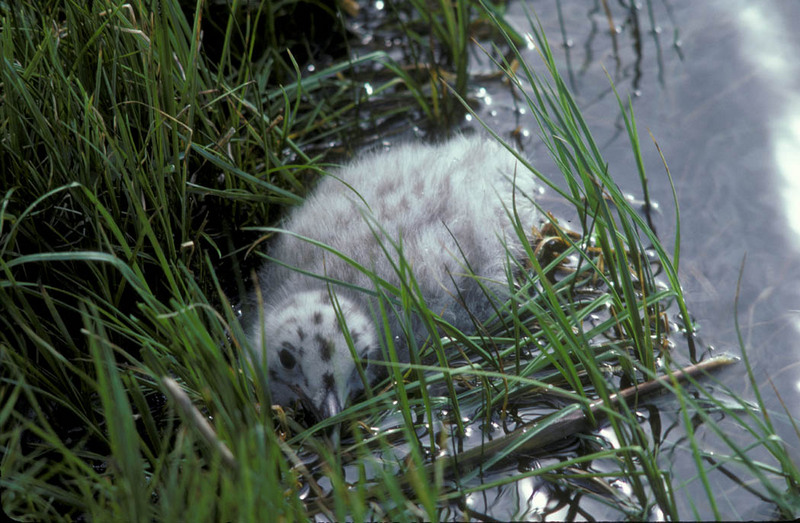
{"x":325,"y":347}
{"x":354,"y":336}
{"x":273,"y":374}
{"x":287,"y":359}
{"x":328,"y":381}
{"x":317,"y":318}
{"x":301,"y":333}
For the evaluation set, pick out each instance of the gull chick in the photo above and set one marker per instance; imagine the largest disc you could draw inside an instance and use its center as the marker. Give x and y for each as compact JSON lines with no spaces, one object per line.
{"x":448,"y":208}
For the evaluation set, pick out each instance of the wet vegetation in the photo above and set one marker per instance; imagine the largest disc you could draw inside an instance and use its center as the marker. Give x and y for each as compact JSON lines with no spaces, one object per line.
{"x":146,"y":147}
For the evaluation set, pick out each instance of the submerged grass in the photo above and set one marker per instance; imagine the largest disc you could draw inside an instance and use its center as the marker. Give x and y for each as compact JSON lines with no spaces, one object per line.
{"x":143,"y":150}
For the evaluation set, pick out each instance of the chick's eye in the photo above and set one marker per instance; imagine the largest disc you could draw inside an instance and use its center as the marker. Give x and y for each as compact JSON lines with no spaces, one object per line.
{"x":287,"y":360}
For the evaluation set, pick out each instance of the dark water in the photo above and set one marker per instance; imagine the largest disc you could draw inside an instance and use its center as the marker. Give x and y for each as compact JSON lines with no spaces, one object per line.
{"x":716,"y":82}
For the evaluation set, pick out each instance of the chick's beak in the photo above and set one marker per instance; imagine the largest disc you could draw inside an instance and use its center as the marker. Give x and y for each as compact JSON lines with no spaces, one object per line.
{"x":330,"y":405}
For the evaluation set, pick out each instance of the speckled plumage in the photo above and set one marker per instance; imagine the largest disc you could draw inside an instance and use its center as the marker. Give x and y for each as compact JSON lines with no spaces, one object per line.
{"x":448,"y":203}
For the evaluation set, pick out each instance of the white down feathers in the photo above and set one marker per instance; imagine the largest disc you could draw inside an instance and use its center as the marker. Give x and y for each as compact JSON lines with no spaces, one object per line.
{"x":446,"y":206}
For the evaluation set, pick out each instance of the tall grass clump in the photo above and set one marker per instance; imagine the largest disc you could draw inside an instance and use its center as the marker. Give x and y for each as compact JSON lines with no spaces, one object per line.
{"x":145,"y":146}
{"x":135,"y":149}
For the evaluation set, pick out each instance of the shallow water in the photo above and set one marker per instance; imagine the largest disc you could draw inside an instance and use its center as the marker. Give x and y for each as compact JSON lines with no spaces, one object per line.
{"x":724,"y":107}
{"x":725,"y":110}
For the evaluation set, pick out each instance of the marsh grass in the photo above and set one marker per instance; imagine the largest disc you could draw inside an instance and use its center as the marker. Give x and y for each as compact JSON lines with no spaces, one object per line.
{"x":140,"y":164}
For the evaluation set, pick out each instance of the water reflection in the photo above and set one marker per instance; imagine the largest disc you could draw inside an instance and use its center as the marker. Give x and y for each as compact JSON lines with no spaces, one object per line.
{"x":765,"y":43}
{"x":762,"y":40}
{"x":786,"y":148}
